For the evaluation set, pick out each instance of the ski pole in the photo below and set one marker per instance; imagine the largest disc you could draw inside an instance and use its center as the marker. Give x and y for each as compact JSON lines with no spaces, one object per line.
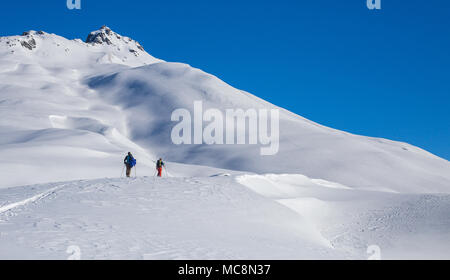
{"x":168,"y":173}
{"x":121,"y":173}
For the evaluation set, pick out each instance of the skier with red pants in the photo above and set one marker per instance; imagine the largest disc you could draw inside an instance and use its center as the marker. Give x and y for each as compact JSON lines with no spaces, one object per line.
{"x":159,"y":166}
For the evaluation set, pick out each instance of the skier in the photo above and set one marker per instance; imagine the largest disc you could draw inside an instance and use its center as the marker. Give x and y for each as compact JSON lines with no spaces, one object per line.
{"x":159,"y":166}
{"x":130,"y":162}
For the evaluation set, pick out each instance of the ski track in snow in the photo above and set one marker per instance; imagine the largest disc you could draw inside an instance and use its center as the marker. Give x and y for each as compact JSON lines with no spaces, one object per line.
{"x":28,"y":200}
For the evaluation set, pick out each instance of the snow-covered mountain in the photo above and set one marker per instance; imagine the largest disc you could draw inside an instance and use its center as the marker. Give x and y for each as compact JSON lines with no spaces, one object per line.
{"x":68,"y":105}
{"x":101,"y":47}
{"x":71,"y":109}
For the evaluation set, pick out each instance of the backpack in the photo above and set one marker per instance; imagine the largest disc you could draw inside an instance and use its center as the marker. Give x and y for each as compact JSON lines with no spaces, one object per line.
{"x":132,"y":162}
{"x":159,"y":163}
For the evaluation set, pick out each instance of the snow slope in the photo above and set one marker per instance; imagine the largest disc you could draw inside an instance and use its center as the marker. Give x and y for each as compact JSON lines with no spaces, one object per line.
{"x":402,"y":226}
{"x":305,"y":147}
{"x":215,"y":217}
{"x":173,"y":218}
{"x":53,"y":127}
{"x":67,"y":106}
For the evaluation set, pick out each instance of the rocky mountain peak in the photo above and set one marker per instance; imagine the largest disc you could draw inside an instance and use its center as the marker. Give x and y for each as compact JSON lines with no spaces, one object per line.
{"x":106,"y":36}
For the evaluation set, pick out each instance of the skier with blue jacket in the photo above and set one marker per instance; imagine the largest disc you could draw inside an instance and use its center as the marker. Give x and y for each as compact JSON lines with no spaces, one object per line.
{"x":130,"y":162}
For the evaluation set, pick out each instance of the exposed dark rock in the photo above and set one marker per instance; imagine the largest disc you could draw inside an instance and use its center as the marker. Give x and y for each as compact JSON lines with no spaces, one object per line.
{"x":98,"y":38}
{"x":106,"y":35}
{"x":140,"y":47}
{"x":134,"y":52}
{"x":30,"y":33}
{"x":30,"y":44}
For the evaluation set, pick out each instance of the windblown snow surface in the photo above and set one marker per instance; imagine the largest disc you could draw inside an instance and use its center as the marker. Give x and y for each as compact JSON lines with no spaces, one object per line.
{"x":70,"y":110}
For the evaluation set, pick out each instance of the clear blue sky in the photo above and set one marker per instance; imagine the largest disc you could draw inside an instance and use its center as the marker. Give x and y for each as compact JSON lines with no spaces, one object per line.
{"x":377,"y":73}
